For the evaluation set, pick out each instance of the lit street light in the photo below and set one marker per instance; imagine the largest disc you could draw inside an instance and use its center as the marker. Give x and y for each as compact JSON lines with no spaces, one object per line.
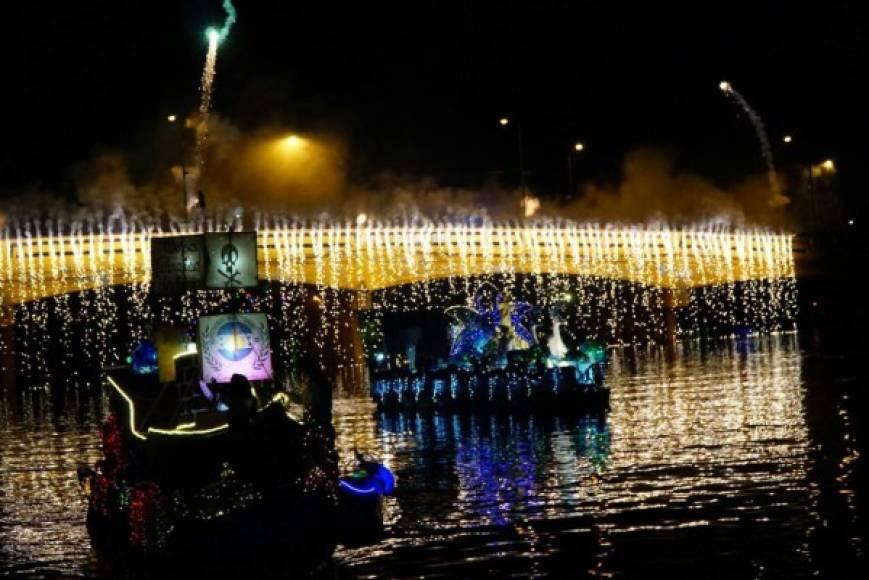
{"x":504,"y":121}
{"x":578,"y":147}
{"x":172,"y":119}
{"x":787,"y":138}
{"x":292,"y":142}
{"x":825,"y":168}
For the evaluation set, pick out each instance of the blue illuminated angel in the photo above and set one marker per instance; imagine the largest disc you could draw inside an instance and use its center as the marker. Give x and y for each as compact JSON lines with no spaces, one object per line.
{"x":489,"y":318}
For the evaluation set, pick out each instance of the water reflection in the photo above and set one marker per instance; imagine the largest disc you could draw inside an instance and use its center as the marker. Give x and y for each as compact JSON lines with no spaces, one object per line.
{"x":41,"y":510}
{"x":706,"y":423}
{"x":732,"y":459}
{"x":710,"y":438}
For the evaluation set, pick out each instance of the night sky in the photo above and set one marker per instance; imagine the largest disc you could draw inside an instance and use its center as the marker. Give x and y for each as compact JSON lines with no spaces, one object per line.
{"x":418,"y":89}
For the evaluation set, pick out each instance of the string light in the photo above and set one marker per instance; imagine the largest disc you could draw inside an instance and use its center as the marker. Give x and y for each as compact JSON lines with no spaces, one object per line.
{"x":186,"y":431}
{"x":130,"y":405}
{"x":88,"y":279}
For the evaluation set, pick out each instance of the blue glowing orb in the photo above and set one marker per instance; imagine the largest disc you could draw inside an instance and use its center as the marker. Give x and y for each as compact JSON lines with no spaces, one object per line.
{"x":234,"y":341}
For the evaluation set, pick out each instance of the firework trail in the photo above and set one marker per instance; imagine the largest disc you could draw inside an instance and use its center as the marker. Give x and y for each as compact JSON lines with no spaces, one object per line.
{"x":759,"y":129}
{"x":215,"y":37}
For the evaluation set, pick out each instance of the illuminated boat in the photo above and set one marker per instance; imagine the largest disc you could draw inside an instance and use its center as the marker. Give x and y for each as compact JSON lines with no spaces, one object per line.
{"x":200,"y":449}
{"x":498,"y":360}
{"x":177,"y":473}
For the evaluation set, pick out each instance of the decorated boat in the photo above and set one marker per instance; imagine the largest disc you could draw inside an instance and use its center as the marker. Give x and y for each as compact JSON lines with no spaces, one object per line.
{"x":189,"y":462}
{"x":500,"y":357}
{"x":200,"y":450}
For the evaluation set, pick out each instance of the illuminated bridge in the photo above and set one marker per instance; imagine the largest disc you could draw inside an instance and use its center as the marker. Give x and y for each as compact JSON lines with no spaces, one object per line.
{"x":635,"y":283}
{"x":372,"y":257}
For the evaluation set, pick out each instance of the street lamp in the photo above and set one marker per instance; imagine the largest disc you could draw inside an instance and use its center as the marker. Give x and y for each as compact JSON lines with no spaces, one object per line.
{"x":578,"y":147}
{"x":504,"y":121}
{"x":292,"y":142}
{"x":172,"y":119}
{"x":787,"y":138}
{"x":822,"y":169}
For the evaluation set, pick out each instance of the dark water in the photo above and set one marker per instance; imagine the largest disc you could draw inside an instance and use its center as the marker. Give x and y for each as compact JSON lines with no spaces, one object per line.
{"x":734,"y":460}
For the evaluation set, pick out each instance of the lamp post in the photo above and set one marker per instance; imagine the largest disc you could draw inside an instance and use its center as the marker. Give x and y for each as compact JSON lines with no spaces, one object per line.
{"x":578,"y":147}
{"x":824,"y":169}
{"x":810,"y":169}
{"x":173,"y":119}
{"x":504,"y":122}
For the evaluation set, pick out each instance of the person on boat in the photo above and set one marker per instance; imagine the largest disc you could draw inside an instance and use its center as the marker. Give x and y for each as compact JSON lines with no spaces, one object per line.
{"x":318,"y":410}
{"x":241,"y":403}
{"x":316,"y":391}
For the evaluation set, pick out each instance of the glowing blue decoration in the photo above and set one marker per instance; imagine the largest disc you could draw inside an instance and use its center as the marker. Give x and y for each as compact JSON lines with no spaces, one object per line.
{"x":481,"y":323}
{"x":386,"y":479}
{"x":380,"y":482}
{"x":235,"y":341}
{"x":439,"y":387}
{"x":418,"y":383}
{"x":362,"y":491}
{"x":404,"y":392}
{"x":144,"y":358}
{"x":520,"y":313}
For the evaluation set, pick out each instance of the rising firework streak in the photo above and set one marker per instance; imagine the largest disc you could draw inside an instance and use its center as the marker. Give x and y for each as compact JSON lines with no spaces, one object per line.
{"x":762,"y":138}
{"x":215,"y":37}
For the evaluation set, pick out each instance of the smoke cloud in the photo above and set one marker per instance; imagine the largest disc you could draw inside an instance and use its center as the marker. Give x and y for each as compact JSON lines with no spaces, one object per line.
{"x":651,"y":189}
{"x":274,"y":170}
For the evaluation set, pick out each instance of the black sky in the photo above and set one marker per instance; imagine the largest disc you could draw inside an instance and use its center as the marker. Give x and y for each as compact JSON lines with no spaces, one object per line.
{"x":418,"y":87}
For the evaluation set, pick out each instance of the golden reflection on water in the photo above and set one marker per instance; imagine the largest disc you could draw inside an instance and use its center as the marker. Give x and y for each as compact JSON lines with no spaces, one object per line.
{"x":690,"y":432}
{"x":42,"y":512}
{"x":704,"y":421}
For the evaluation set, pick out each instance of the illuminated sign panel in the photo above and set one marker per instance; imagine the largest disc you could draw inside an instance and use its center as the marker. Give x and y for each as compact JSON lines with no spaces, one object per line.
{"x":177,"y":264}
{"x":235,"y":343}
{"x":232,"y":260}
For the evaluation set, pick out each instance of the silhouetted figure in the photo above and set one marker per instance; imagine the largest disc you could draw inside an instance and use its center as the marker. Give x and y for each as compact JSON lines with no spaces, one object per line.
{"x":319,"y":391}
{"x":241,"y":402}
{"x":321,"y":460}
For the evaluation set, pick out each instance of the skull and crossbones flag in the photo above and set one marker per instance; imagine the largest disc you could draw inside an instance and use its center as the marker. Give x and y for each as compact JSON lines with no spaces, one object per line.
{"x":232,"y":260}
